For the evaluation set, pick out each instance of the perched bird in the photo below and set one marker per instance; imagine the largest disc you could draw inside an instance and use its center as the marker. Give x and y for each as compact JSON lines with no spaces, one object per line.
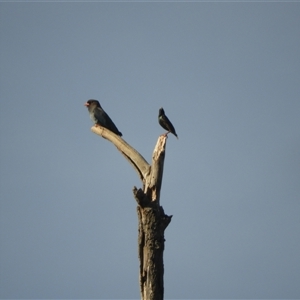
{"x":165,"y":123}
{"x":100,"y":117}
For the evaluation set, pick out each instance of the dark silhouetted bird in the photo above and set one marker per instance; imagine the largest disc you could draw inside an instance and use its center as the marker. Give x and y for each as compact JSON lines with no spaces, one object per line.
{"x":100,"y":117}
{"x":165,"y":123}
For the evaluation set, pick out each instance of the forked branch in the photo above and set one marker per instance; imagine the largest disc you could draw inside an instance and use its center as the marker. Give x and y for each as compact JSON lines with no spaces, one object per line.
{"x":152,"y":219}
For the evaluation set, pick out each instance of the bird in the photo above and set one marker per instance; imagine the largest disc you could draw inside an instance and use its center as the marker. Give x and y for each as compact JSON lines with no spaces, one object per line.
{"x":165,"y":123}
{"x":100,"y":117}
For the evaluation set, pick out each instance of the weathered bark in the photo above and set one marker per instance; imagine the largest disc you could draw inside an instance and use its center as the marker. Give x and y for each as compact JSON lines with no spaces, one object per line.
{"x":152,"y":219}
{"x":151,"y":243}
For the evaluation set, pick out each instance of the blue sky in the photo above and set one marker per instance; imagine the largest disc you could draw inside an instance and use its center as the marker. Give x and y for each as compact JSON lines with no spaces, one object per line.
{"x":227,"y":75}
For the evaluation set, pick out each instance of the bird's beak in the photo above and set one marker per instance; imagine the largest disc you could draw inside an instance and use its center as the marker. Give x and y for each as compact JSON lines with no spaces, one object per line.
{"x":86,"y":104}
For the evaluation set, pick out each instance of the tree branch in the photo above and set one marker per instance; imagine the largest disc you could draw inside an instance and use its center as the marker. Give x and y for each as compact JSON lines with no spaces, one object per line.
{"x":152,"y":219}
{"x":134,"y":157}
{"x":153,"y":182}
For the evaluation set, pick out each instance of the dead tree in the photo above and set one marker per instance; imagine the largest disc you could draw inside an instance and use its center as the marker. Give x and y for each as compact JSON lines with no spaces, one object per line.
{"x":152,"y":219}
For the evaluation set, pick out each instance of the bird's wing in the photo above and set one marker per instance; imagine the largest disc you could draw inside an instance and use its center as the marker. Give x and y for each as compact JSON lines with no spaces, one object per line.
{"x":107,"y":121}
{"x":171,"y":127}
{"x":162,"y":122}
{"x":111,"y":125}
{"x":169,"y":124}
{"x":100,"y":115}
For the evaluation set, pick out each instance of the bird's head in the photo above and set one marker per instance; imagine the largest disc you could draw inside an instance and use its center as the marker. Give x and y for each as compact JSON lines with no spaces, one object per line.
{"x":161,"y":112}
{"x":91,"y":103}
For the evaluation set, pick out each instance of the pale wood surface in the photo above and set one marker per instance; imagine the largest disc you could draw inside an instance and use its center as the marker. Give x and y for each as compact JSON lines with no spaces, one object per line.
{"x":152,"y":219}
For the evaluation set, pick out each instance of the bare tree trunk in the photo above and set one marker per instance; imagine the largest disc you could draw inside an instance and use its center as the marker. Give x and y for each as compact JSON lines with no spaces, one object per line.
{"x":151,"y":243}
{"x":152,"y":219}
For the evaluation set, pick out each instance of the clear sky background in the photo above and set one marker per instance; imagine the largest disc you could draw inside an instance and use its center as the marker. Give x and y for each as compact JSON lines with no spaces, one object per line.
{"x":228,"y":77}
